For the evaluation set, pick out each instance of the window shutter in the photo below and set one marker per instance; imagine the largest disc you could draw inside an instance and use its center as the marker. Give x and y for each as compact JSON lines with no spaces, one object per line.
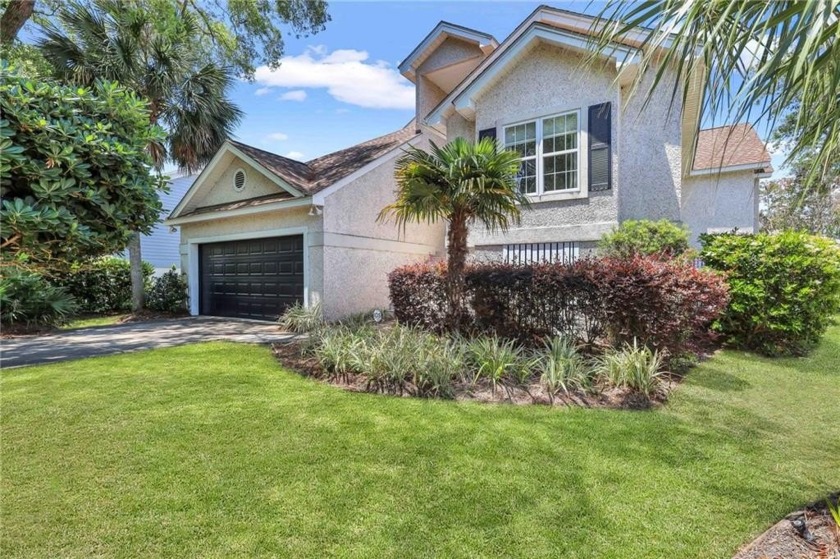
{"x":600,"y":154}
{"x":487,"y":133}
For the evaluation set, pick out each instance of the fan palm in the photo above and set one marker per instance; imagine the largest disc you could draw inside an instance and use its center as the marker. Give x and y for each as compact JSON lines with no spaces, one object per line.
{"x":754,"y":60}
{"x":464,"y":184}
{"x":160,"y":59}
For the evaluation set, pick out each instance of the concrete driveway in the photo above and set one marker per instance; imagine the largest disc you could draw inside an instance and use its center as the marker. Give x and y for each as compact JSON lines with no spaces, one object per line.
{"x":105,"y":340}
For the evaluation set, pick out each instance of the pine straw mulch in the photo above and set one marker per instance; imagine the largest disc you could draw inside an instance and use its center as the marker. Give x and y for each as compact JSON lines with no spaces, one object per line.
{"x":817,"y":537}
{"x":291,"y":356}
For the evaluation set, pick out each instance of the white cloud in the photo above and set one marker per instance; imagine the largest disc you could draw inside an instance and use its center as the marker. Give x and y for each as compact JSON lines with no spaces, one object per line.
{"x":262,"y":91}
{"x":346,"y":74}
{"x":277,"y":136}
{"x":295,"y":155}
{"x":294,"y":95}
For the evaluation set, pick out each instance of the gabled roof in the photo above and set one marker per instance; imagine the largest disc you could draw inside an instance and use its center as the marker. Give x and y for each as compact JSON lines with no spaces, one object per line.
{"x":733,"y":146}
{"x":440,"y":33}
{"x":294,"y":172}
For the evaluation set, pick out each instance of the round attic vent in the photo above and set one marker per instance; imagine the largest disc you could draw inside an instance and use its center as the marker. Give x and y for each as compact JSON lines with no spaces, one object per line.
{"x":239,"y":180}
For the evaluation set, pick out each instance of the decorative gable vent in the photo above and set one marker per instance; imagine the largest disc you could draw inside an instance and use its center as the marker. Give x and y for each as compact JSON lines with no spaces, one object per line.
{"x":239,"y":180}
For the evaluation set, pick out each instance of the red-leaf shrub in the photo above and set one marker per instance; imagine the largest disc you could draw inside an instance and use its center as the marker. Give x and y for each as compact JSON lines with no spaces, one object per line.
{"x":418,"y":295}
{"x":666,"y":306}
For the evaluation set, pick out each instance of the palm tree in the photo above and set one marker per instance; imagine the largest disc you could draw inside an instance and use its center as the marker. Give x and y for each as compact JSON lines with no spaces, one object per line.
{"x":462,"y":183}
{"x":754,"y":60}
{"x":161,"y":60}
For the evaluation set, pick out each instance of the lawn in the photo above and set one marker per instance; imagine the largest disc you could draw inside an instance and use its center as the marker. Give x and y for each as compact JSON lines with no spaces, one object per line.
{"x":94,"y":320}
{"x":213,"y":450}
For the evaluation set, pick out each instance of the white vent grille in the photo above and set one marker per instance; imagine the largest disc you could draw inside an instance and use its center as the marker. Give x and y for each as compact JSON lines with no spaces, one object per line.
{"x":239,"y":180}
{"x":535,"y":253}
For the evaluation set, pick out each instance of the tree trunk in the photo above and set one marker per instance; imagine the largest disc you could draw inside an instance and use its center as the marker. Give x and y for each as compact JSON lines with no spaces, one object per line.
{"x":135,"y":259}
{"x":457,"y":260}
{"x":17,"y":13}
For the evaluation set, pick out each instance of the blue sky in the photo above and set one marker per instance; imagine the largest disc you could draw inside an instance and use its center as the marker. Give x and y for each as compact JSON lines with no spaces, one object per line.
{"x":342,"y":86}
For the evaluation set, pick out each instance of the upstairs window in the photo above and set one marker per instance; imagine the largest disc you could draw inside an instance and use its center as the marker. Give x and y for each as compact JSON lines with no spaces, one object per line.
{"x":549,"y":149}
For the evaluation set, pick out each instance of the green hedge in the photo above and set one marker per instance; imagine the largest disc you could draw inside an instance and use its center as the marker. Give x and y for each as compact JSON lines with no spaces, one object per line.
{"x":102,"y":285}
{"x":645,"y":238}
{"x":784,"y":288}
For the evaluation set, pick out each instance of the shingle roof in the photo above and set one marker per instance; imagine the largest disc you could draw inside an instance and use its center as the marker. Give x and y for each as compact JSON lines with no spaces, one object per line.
{"x":319,"y":173}
{"x":728,"y":146}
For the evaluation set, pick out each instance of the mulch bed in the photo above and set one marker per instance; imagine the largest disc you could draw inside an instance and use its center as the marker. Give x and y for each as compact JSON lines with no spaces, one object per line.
{"x":810,"y":533}
{"x":290,"y":355}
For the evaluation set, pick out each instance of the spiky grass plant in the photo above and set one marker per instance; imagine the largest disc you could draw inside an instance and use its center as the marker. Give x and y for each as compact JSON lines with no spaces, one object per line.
{"x":496,"y":360}
{"x":562,"y":368}
{"x":301,"y":319}
{"x":634,"y":367}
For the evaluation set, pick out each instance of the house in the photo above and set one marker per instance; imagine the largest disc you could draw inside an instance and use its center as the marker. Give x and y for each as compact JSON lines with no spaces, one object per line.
{"x":260,"y":231}
{"x":161,"y":247}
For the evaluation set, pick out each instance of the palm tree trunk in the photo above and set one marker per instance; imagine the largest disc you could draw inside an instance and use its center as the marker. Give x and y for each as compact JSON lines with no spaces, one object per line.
{"x":457,"y":261}
{"x":135,"y":259}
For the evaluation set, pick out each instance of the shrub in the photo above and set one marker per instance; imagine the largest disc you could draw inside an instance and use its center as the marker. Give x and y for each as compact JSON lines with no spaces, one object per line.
{"x":497,"y":360}
{"x":102,"y":285}
{"x":168,"y":292}
{"x":562,"y":368}
{"x":28,"y":299}
{"x":300,"y":319}
{"x":645,"y":238}
{"x":784,"y":288}
{"x":634,"y":367}
{"x":667,"y":305}
{"x":418,"y":295}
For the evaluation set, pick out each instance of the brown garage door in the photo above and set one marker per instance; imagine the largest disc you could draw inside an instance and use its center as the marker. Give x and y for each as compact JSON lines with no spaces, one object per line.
{"x":256,"y":278}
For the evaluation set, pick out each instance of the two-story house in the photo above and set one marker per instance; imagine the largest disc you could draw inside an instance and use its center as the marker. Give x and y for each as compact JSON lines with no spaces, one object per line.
{"x":260,"y":231}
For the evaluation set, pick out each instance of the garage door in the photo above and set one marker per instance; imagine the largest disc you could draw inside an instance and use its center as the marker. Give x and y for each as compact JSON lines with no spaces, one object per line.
{"x":256,"y":278}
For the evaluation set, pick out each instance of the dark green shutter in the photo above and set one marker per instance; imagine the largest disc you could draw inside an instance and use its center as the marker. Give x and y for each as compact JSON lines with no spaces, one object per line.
{"x":487,"y":133}
{"x":600,"y":154}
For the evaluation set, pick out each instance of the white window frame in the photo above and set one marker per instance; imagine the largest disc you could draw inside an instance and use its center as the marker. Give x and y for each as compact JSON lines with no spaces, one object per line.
{"x":541,"y":195}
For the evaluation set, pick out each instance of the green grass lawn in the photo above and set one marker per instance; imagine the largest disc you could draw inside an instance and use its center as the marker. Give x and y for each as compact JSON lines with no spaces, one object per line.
{"x":96,"y":320}
{"x":212,"y":450}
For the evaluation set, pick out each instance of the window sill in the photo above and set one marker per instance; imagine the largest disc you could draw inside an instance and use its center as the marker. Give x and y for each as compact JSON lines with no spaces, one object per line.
{"x":575,"y":194}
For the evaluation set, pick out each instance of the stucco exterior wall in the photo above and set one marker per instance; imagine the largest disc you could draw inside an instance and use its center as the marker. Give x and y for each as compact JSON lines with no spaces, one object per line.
{"x":649,"y":153}
{"x":459,"y":127}
{"x":222,"y":192}
{"x":356,"y":280}
{"x":547,"y":80}
{"x":720,"y":201}
{"x":449,"y":52}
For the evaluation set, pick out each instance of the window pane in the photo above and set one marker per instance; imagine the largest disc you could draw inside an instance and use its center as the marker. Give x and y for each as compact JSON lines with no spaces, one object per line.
{"x":526,"y":178}
{"x":560,"y":172}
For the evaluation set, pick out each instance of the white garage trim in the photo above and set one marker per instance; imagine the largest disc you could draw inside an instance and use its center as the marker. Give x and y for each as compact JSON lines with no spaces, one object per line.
{"x":193,"y":272}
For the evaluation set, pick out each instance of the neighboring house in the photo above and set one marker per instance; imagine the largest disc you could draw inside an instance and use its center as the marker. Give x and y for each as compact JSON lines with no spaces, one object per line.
{"x":260,"y":231}
{"x":161,"y":248}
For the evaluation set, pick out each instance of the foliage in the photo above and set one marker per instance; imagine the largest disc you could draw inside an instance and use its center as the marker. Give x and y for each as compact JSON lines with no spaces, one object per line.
{"x":168,"y":292}
{"x":27,"y":60}
{"x":75,"y":172}
{"x":666,"y":305}
{"x":496,"y":360}
{"x":562,"y":368}
{"x":785,"y":289}
{"x":791,"y":203}
{"x":156,"y":54}
{"x":462,"y":183}
{"x":644,"y":237}
{"x":302,"y":319}
{"x":634,"y":367}
{"x":101,"y":285}
{"x":751,"y":60}
{"x":834,"y":510}
{"x":27,"y":299}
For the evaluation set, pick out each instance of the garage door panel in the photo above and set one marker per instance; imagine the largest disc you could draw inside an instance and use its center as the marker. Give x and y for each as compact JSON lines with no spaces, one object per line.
{"x":255,"y":278}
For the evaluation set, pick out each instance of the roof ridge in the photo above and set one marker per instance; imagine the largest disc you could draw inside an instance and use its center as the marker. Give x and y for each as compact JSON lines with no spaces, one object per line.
{"x":364,"y":142}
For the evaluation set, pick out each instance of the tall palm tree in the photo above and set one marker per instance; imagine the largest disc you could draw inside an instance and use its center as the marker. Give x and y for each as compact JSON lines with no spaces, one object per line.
{"x":161,"y":60}
{"x":753,"y":60}
{"x":463,"y":184}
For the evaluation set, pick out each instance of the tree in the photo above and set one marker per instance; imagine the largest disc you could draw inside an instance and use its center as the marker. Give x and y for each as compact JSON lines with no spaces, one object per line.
{"x":788,"y":204}
{"x":160,"y":60}
{"x":76,"y":176}
{"x":752,"y":59}
{"x":462,"y":183}
{"x":236,"y":33}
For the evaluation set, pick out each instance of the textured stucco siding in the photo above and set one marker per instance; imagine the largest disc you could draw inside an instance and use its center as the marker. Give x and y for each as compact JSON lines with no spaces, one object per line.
{"x":356,"y":280}
{"x":449,"y":52}
{"x":543,"y":81}
{"x":222,"y":192}
{"x":459,"y":127}
{"x":650,"y":166}
{"x":718,"y":202}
